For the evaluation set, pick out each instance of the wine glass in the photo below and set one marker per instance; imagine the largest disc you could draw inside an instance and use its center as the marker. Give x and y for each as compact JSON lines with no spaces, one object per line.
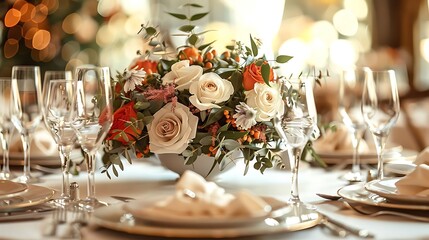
{"x":351,"y":88}
{"x":58,"y":100}
{"x":26,"y":110}
{"x":92,"y":119}
{"x":297,"y":124}
{"x":6,"y":126}
{"x":380,"y":108}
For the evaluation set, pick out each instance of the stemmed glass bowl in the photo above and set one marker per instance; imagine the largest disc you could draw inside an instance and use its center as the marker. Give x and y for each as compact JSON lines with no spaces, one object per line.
{"x":6,"y":126}
{"x":380,"y":108}
{"x":92,"y":119}
{"x":27,"y":110}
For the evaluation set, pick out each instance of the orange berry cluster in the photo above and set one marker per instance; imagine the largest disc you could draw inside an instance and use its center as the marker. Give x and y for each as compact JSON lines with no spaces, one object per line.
{"x":229,"y":119}
{"x":212,"y":150}
{"x":194,"y":56}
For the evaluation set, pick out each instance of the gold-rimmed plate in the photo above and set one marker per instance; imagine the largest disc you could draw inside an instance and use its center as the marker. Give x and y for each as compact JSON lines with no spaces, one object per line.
{"x":34,"y":195}
{"x":357,"y":193}
{"x":10,"y":189}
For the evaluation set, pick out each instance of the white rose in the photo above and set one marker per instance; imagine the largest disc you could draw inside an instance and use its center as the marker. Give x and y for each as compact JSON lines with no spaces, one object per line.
{"x":171,"y":130}
{"x":182,"y":75}
{"x":266,"y":100}
{"x":208,"y":90}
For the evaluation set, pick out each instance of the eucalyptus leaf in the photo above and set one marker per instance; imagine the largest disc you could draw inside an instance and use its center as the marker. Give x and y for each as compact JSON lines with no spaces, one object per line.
{"x":192,"y":5}
{"x":231,"y":144}
{"x":150,"y":31}
{"x":232,"y":135}
{"x":283,"y":58}
{"x":187,"y":28}
{"x":141,"y":105}
{"x":177,"y":15}
{"x":206,"y":141}
{"x":193,"y":39}
{"x":198,"y":16}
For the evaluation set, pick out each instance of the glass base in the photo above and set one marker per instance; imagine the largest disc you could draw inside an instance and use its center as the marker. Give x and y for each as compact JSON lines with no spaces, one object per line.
{"x":27,"y":179}
{"x":90,"y":204}
{"x":62,"y":201}
{"x":7,"y":176}
{"x":353,"y":177}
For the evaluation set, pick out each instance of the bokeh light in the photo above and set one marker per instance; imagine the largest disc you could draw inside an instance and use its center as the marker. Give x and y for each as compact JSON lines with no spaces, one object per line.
{"x":12,"y":17}
{"x":345,"y":22}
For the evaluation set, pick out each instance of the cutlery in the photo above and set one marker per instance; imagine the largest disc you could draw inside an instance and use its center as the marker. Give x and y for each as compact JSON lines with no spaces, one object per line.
{"x":123,"y":199}
{"x":27,"y":216}
{"x":376,"y":211}
{"x":343,"y":230}
{"x":329,"y":196}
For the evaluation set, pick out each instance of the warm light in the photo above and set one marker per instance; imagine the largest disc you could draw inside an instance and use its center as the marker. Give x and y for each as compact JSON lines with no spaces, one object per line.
{"x":319,"y":54}
{"x":324,"y":31}
{"x":86,"y":30}
{"x":11,"y":47}
{"x":345,"y":22}
{"x":101,"y":38}
{"x":106,"y":7}
{"x":69,"y":49}
{"x":358,"y":7}
{"x":39,"y":13}
{"x":424,"y":48}
{"x":135,"y":6}
{"x":12,"y":17}
{"x":41,"y":39}
{"x":298,"y":49}
{"x":48,"y":53}
{"x":26,"y":11}
{"x":343,"y":53}
{"x":29,"y":34}
{"x":71,"y":23}
{"x":51,"y":4}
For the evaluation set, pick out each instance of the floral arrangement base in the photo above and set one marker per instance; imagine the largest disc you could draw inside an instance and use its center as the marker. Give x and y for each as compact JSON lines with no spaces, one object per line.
{"x":202,"y":165}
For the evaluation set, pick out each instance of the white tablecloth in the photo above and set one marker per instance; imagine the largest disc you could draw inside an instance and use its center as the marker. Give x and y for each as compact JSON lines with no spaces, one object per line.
{"x":146,"y":177}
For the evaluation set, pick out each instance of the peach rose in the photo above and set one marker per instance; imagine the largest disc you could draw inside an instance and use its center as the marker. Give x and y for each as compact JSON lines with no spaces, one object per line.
{"x":252,"y":74}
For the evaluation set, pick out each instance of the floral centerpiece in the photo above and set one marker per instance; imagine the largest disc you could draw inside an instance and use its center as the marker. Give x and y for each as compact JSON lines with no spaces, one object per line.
{"x":196,"y":101}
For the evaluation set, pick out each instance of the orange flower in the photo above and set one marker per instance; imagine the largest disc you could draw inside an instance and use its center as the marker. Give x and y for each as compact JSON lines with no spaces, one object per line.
{"x":148,"y":66}
{"x":252,"y":74}
{"x":120,"y":119}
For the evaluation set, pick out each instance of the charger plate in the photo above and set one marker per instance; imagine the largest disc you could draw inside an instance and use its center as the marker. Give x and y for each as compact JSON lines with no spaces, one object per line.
{"x":366,"y":158}
{"x":112,"y":217}
{"x":357,"y":193}
{"x":34,"y":195}
{"x":387,"y":189}
{"x":10,"y":189}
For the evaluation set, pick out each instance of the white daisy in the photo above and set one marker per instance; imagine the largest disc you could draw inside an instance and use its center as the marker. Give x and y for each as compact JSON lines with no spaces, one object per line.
{"x":245,"y":116}
{"x":133,"y":78}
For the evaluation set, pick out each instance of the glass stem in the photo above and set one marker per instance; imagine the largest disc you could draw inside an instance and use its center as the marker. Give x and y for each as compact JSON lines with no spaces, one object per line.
{"x":380,"y":142}
{"x":65,"y":161}
{"x":26,"y":143}
{"x":356,"y":140}
{"x":294,"y":158}
{"x":5,"y":146}
{"x":90,"y":163}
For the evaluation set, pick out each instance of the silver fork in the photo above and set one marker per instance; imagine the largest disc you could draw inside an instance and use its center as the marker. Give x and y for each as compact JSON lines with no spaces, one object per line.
{"x":376,"y":211}
{"x":59,"y":216}
{"x":78,"y":218}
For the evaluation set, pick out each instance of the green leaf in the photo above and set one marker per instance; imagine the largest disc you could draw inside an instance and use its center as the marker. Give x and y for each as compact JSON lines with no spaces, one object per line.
{"x":192,"y":5}
{"x":187,"y":153}
{"x":150,"y":31}
{"x":203,"y":115}
{"x":198,"y":16}
{"x":191,"y":160}
{"x":231,"y":144}
{"x":265,"y":71}
{"x":205,"y":45}
{"x":141,"y":105}
{"x":215,"y":115}
{"x":187,"y":28}
{"x":193,"y":39}
{"x":254,"y":46}
{"x":283,"y":58}
{"x":237,"y":81}
{"x":231,"y":135}
{"x":177,"y":15}
{"x":206,"y":141}
{"x":224,"y":128}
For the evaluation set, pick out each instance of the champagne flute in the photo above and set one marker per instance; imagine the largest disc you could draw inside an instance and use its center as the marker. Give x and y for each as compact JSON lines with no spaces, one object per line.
{"x":297,"y":124}
{"x":26,"y":110}
{"x":6,"y":126}
{"x":92,"y":119}
{"x":351,"y":88}
{"x":380,"y":108}
{"x":58,"y":98}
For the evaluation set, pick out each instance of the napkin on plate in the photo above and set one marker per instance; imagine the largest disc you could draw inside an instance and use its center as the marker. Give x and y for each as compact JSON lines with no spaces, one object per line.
{"x":338,"y":140}
{"x":42,"y":144}
{"x":210,"y":200}
{"x":423,"y":157}
{"x":415,"y":183}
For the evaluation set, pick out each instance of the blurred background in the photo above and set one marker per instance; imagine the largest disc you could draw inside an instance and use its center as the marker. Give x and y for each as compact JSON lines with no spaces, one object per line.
{"x":320,"y":34}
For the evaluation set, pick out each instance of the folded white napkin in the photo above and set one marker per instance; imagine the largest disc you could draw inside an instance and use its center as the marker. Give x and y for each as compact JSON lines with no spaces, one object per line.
{"x":210,"y":200}
{"x":415,"y":183}
{"x":42,"y":144}
{"x":423,"y":157}
{"x":338,"y":141}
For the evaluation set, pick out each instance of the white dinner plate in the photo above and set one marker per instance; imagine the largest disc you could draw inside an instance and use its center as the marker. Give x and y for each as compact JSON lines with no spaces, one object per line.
{"x":387,"y":189}
{"x":143,"y":210}
{"x":358,"y":194}
{"x":112,"y":217}
{"x":10,"y":189}
{"x":34,"y":195}
{"x":17,"y":158}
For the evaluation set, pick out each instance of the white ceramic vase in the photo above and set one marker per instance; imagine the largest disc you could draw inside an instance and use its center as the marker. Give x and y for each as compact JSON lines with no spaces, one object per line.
{"x":202,"y":164}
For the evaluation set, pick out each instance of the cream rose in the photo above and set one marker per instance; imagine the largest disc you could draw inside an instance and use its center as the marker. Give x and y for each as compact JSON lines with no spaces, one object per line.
{"x":182,"y":75}
{"x":208,"y":90}
{"x":266,"y":100}
{"x":171,"y":130}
